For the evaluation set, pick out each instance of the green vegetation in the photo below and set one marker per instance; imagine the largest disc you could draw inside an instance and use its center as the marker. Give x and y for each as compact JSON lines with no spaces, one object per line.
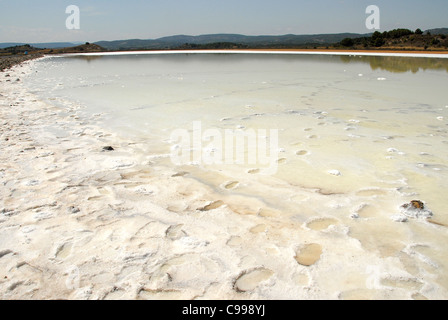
{"x":398,"y":39}
{"x":347,"y":42}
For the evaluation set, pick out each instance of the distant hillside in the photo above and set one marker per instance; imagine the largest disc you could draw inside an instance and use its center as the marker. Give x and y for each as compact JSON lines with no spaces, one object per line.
{"x":19,"y":49}
{"x":174,"y":42}
{"x":399,"y":39}
{"x":438,"y":31}
{"x":31,"y":50}
{"x":46,"y":45}
{"x":84,"y":48}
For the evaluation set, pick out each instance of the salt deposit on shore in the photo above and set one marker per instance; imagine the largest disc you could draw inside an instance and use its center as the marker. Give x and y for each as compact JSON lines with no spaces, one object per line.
{"x":78,"y":221}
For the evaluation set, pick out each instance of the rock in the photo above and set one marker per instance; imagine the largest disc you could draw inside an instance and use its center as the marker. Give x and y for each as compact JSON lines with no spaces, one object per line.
{"x":108,"y":148}
{"x":415,"y":209}
{"x":417,"y":204}
{"x":7,"y":62}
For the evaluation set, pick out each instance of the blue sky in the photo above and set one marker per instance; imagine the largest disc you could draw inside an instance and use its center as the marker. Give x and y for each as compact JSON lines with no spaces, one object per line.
{"x":45,"y":20}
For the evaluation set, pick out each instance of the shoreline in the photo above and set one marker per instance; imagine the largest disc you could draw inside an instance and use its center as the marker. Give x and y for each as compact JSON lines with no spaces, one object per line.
{"x":355,"y":51}
{"x":397,"y":53}
{"x":7,"y":62}
{"x":81,"y":222}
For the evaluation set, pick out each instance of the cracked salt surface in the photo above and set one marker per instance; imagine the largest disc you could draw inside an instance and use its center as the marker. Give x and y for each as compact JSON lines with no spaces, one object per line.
{"x":80,"y":223}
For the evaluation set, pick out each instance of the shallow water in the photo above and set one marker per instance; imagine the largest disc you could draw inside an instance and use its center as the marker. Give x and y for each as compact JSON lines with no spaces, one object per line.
{"x":357,"y":136}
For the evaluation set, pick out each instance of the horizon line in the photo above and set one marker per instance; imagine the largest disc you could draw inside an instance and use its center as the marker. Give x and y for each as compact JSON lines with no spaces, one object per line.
{"x":208,"y":34}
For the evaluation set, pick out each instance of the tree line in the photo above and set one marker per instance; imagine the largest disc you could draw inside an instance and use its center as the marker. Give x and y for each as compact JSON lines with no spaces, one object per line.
{"x":397,"y":37}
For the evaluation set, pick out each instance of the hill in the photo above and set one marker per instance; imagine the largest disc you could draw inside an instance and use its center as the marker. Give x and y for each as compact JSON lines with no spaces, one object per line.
{"x":389,"y":39}
{"x":438,"y":31}
{"x":19,"y":49}
{"x":29,"y":49}
{"x":83,"y":48}
{"x":174,"y":42}
{"x":45,"y":45}
{"x":11,"y":56}
{"x":398,"y":39}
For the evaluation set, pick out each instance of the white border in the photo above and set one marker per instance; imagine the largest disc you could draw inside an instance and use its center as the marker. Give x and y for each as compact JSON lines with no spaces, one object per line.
{"x":342,"y":53}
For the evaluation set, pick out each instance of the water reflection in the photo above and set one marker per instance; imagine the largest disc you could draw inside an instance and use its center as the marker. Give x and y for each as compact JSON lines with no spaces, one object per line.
{"x":391,"y":64}
{"x":399,"y":64}
{"x":84,"y":58}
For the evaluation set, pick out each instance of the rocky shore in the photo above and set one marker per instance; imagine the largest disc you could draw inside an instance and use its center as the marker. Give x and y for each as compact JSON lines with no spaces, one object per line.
{"x":7,"y":62}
